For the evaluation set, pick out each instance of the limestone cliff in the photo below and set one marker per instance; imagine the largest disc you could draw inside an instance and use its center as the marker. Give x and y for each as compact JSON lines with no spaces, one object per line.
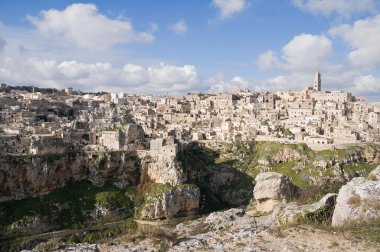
{"x":166,"y":170}
{"x":22,"y":176}
{"x":167,"y":201}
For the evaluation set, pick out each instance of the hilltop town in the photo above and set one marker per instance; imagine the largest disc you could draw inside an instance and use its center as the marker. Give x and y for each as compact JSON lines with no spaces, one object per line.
{"x":61,"y":121}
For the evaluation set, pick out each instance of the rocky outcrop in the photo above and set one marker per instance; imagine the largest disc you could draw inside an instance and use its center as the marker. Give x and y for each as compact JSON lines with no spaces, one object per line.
{"x":320,"y":211}
{"x":224,"y":219}
{"x":171,"y":201}
{"x":22,"y":176}
{"x":271,"y":189}
{"x":166,"y":170}
{"x":357,"y":201}
{"x":220,"y":231}
{"x":287,"y":154}
{"x":375,"y":174}
{"x":371,"y":153}
{"x":31,"y":224}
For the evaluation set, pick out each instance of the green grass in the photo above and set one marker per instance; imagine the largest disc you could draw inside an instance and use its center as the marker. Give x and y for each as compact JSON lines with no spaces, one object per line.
{"x":362,"y":168}
{"x":68,"y":207}
{"x":127,"y":227}
{"x":286,"y":169}
{"x":368,"y":231}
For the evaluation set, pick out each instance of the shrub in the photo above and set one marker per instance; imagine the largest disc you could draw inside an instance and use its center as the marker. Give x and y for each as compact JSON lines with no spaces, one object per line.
{"x":368,"y":231}
{"x":112,"y":200}
{"x":354,"y":200}
{"x":372,"y":177}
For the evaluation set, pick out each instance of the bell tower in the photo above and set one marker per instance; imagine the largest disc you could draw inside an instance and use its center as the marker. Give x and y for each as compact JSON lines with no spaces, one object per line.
{"x":317,"y":81}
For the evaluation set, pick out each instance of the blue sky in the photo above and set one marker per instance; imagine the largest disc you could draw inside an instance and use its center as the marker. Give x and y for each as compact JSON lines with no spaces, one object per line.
{"x":177,"y":46}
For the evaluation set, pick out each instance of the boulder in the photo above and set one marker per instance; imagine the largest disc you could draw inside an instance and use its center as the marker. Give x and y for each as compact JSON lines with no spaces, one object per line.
{"x":184,"y":198}
{"x":271,"y":189}
{"x":320,"y":211}
{"x":375,"y":174}
{"x":358,"y":200}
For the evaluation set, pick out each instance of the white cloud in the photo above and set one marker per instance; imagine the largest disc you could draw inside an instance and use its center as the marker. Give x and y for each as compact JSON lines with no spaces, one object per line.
{"x":228,"y":8}
{"x":101,"y":76}
{"x":341,"y":7}
{"x":218,"y":84}
{"x":163,"y":74}
{"x":366,"y":85}
{"x":364,"y":38}
{"x":268,"y":60}
{"x":135,"y":74}
{"x":83,"y":26}
{"x":179,"y":28}
{"x":76,"y":70}
{"x":305,"y":52}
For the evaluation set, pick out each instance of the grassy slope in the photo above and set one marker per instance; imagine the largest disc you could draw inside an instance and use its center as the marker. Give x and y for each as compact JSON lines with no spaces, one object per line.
{"x":68,"y":207}
{"x":262,"y":150}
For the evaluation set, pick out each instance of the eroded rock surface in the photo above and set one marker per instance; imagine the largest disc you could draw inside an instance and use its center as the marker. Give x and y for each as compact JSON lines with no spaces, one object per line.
{"x":271,"y":189}
{"x":292,"y":213}
{"x":172,"y":202}
{"x":166,"y":170}
{"x":358,"y":200}
{"x":375,"y":174}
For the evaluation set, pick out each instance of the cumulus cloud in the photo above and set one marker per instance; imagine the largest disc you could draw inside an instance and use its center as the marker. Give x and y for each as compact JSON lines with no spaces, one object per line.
{"x":364,"y":38}
{"x":179,"y":28}
{"x":307,"y":51}
{"x":83,"y":26}
{"x":218,"y":83}
{"x":304,"y":52}
{"x":366,"y":85}
{"x":268,"y":60}
{"x":102,"y":76}
{"x":340,"y":7}
{"x":228,"y":8}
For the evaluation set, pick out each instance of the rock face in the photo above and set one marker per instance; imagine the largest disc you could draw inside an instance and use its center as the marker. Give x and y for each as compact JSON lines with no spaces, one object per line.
{"x":287,"y":154}
{"x":271,"y":189}
{"x":220,"y":220}
{"x":292,"y":213}
{"x":166,"y":170}
{"x":358,"y":200}
{"x":230,"y":185}
{"x":375,"y":174}
{"x":31,"y":176}
{"x":171,"y":202}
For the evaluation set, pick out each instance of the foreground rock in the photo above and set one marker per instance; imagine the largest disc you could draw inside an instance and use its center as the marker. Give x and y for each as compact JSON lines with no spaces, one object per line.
{"x":231,"y":230}
{"x":184,"y":198}
{"x":220,"y":231}
{"x":358,"y":200}
{"x":320,"y":211}
{"x":271,"y":189}
{"x":375,"y":174}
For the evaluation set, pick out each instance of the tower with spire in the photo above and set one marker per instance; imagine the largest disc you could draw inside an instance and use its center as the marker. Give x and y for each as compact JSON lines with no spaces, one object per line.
{"x":317,"y":81}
